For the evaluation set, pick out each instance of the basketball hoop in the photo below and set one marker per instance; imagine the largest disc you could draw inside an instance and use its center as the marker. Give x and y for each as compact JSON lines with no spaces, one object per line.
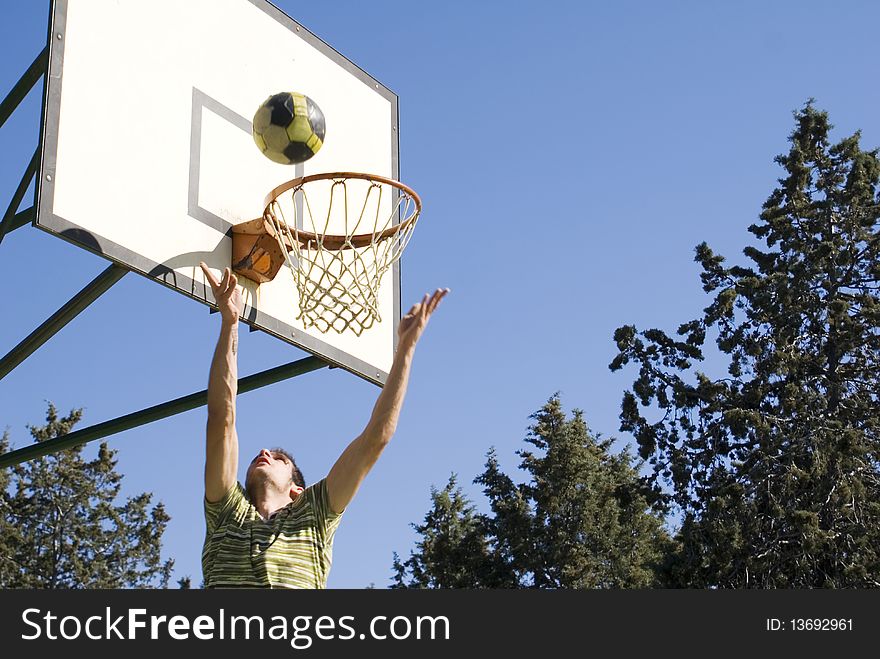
{"x":338,"y":236}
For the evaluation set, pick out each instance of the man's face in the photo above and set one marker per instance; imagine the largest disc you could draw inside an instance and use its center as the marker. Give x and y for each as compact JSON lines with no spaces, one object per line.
{"x":268,"y":466}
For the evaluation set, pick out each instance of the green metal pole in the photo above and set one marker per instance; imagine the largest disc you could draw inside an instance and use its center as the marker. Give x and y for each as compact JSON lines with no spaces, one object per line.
{"x":24,"y":217}
{"x":98,"y":286}
{"x":24,"y":85}
{"x":156,"y":412}
{"x":9,"y":216}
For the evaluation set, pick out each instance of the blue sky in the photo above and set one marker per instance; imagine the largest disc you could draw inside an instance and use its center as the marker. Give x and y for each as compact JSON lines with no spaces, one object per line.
{"x":570,"y":156}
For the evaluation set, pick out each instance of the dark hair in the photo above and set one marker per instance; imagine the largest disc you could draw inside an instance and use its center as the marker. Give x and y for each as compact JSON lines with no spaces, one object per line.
{"x":295,"y":473}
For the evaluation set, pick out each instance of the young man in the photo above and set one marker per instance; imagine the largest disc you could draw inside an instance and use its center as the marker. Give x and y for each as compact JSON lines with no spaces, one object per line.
{"x":275,"y":532}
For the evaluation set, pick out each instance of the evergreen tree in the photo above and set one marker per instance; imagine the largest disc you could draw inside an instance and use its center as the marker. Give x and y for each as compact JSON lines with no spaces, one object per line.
{"x":581,"y":521}
{"x":452,"y":551}
{"x":8,"y":533}
{"x":775,"y":468}
{"x":61,"y":525}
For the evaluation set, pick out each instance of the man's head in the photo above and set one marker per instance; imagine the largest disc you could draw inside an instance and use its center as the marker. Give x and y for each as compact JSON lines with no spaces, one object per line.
{"x":274,"y":470}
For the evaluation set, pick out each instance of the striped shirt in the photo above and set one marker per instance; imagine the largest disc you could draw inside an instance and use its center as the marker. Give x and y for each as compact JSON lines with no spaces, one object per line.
{"x":292,"y":549}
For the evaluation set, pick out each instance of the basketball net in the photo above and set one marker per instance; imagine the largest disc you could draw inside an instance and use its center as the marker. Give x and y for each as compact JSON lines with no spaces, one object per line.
{"x":343,"y":232}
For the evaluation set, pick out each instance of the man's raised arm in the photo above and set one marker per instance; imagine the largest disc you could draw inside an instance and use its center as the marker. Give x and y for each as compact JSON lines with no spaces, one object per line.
{"x":221,"y":449}
{"x":356,"y":461}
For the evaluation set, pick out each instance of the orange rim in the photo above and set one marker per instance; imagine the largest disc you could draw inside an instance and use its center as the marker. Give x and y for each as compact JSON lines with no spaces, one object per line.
{"x":331,"y":241}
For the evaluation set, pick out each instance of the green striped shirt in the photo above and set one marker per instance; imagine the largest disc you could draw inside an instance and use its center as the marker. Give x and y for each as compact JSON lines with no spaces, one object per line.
{"x":292,"y":549}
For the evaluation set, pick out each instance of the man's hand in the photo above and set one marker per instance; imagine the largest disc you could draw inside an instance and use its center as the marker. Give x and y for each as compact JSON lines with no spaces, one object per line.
{"x":413,"y":323}
{"x":221,"y":456}
{"x":359,"y":457}
{"x":225,"y":293}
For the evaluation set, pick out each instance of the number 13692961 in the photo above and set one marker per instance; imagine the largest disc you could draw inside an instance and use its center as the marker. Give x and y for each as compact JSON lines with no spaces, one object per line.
{"x":810,"y":625}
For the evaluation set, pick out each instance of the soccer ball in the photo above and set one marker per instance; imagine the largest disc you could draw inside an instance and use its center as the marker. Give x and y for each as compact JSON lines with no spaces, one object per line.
{"x":289,"y":128}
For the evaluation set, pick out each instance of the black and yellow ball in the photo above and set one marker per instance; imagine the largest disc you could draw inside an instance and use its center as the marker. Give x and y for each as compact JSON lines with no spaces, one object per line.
{"x":289,"y":128}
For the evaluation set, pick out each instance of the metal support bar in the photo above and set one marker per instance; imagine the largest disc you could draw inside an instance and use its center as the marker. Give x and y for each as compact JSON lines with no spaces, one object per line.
{"x":98,"y":286}
{"x":156,"y":412}
{"x":24,"y":85}
{"x":9,"y":215}
{"x":24,"y":217}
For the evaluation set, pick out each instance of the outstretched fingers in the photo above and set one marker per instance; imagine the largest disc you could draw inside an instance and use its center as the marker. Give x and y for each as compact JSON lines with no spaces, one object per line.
{"x":209,"y":276}
{"x":231,"y":281}
{"x":435,"y":299}
{"x":224,"y":287}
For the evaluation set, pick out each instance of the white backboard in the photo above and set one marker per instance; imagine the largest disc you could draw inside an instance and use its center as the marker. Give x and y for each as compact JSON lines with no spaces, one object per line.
{"x":147,"y":155}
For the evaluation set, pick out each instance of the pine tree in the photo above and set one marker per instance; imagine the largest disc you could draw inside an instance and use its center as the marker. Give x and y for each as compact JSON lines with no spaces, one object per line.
{"x":581,"y":521}
{"x":452,"y":551}
{"x":61,"y":525}
{"x":775,"y":468}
